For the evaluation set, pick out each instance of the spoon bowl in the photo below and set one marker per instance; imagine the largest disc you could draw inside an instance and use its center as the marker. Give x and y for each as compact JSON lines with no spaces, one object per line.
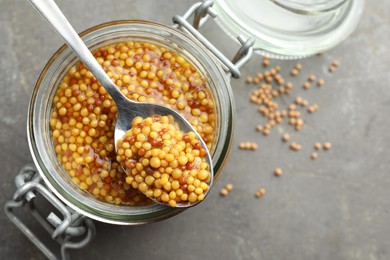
{"x":127,"y":109}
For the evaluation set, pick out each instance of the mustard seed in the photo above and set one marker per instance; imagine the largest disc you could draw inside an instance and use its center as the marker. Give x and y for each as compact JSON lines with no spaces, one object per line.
{"x":247,"y":146}
{"x":298,"y":101}
{"x":317,"y":146}
{"x":278,"y":172}
{"x":265,"y":62}
{"x":294,"y":72}
{"x":336,"y":63}
{"x":282,"y":90}
{"x":320,"y":82}
{"x":298,"y":66}
{"x":249,"y":80}
{"x":314,"y":155}
{"x":312,"y":108}
{"x":254,"y":146}
{"x":306,"y":85}
{"x":292,"y":121}
{"x":327,"y":146}
{"x":289,"y":85}
{"x":229,"y":187}
{"x":224,"y":192}
{"x":294,"y":146}
{"x":260,"y":193}
{"x":311,"y":78}
{"x":253,"y":99}
{"x":280,"y":81}
{"x":285,"y":137}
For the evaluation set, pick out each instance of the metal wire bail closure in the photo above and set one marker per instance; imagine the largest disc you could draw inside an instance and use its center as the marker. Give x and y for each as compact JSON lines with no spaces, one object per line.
{"x":72,"y":231}
{"x":202,"y":11}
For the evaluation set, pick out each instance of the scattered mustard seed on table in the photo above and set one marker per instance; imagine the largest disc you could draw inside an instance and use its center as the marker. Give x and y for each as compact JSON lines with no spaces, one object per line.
{"x":327,"y":146}
{"x":298,"y":100}
{"x":265,"y":61}
{"x":320,"y":82}
{"x":278,"y":172}
{"x":224,"y":192}
{"x":313,"y":108}
{"x":229,"y":187}
{"x":317,"y":146}
{"x":294,"y":146}
{"x":260,"y":193}
{"x":312,"y":78}
{"x":247,"y":146}
{"x":332,"y":67}
{"x":306,"y":85}
{"x":336,"y":63}
{"x":285,"y":137}
{"x":294,"y":72}
{"x":249,"y":80}
{"x":298,"y":66}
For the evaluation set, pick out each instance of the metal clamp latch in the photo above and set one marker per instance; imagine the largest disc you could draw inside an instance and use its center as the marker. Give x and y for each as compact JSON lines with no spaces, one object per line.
{"x":201,"y":12}
{"x":73,"y":231}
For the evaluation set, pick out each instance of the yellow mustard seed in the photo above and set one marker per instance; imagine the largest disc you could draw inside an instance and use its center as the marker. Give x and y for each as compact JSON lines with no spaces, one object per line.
{"x":229,"y":187}
{"x":83,"y":116}
{"x":278,"y":172}
{"x":224,"y":192}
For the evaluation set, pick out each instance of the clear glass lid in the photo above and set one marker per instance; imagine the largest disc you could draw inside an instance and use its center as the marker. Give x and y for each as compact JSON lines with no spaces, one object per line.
{"x":290,"y":28}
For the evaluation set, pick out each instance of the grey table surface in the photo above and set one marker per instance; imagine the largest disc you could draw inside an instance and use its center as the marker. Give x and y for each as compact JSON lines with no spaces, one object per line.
{"x":336,"y":207}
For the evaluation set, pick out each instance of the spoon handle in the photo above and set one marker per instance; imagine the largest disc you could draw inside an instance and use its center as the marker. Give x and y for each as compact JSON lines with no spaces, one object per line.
{"x":53,"y":15}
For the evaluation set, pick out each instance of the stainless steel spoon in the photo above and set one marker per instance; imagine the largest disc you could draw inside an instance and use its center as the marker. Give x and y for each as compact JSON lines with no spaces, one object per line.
{"x":127,"y":109}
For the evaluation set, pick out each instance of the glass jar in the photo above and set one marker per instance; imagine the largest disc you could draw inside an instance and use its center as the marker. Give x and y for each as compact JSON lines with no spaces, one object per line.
{"x":39,"y":135}
{"x":290,"y":29}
